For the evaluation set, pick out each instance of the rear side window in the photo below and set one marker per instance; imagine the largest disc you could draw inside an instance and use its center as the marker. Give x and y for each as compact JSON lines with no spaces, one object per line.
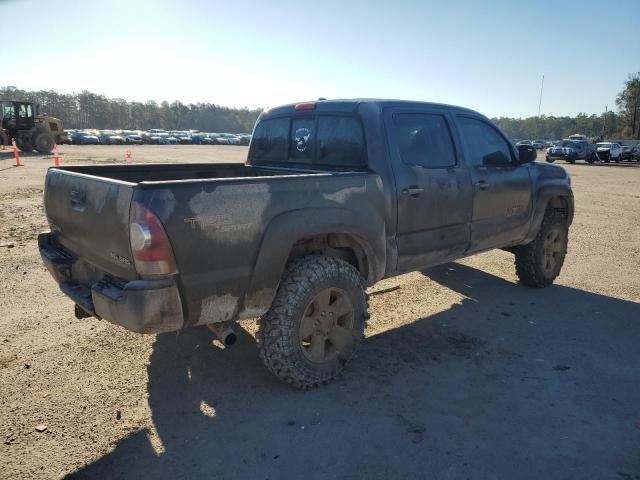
{"x":424,"y":140}
{"x":270,"y":140}
{"x":322,"y":141}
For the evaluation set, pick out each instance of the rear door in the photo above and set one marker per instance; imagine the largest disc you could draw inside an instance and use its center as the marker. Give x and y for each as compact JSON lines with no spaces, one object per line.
{"x":433,"y":189}
{"x":90,"y":217}
{"x":502,"y":187}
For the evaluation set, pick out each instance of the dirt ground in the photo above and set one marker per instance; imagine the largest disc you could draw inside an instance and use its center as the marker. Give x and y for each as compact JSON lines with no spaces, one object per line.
{"x":463,"y":374}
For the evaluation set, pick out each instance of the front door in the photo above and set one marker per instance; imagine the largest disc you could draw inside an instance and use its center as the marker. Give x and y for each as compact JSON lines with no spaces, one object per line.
{"x":502,"y":187}
{"x":433,"y":189}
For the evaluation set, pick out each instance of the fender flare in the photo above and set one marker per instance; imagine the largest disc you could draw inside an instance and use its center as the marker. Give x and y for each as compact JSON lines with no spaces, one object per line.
{"x":287,"y":228}
{"x":545,"y":194}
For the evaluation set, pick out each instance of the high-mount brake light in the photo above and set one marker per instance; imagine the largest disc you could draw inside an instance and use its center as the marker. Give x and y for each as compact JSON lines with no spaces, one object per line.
{"x":152,"y":252}
{"x":305,"y":106}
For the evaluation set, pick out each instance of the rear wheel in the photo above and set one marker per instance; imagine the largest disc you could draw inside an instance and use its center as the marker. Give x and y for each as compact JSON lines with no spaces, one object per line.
{"x":315,"y":323}
{"x":617,"y":159}
{"x":591,"y":158}
{"x":43,"y":142}
{"x":550,"y":160}
{"x":539,"y":263}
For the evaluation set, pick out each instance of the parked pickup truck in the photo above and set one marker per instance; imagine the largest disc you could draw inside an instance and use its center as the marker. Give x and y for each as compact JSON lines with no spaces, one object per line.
{"x":572,"y":149}
{"x":333,"y":197}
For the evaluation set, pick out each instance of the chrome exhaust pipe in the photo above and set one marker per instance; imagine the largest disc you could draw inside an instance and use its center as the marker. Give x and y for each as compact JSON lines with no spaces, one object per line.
{"x":223,"y":332}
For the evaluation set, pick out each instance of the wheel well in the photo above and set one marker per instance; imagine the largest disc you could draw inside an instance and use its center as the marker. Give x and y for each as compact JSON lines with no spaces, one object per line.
{"x":339,"y":245}
{"x":558,"y":206}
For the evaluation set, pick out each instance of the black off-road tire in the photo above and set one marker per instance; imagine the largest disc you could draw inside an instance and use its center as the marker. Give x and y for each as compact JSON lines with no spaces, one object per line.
{"x":43,"y":142}
{"x":278,"y":337}
{"x":4,"y":139}
{"x":530,"y":258}
{"x":550,"y":160}
{"x":571,"y":159}
{"x":591,"y":158}
{"x":24,"y":145}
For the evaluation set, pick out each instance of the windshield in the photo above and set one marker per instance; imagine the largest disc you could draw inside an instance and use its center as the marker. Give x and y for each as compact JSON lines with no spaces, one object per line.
{"x":566,"y":143}
{"x":603,"y":145}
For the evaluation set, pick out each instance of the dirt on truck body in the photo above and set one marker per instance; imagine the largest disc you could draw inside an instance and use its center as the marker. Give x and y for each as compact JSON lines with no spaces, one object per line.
{"x":334,"y":196}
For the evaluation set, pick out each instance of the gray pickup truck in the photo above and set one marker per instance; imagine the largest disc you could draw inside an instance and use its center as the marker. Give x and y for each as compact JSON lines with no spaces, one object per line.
{"x":333,"y":197}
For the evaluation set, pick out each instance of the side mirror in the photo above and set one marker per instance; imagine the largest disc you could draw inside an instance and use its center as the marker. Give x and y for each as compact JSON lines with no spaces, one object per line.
{"x":527,"y":153}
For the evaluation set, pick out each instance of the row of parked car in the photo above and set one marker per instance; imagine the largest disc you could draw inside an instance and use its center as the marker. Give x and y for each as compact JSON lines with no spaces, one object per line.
{"x":153,"y":136}
{"x":579,"y":147}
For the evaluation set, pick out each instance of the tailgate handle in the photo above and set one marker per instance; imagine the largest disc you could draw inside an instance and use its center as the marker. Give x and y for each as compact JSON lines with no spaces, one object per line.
{"x":78,"y":199}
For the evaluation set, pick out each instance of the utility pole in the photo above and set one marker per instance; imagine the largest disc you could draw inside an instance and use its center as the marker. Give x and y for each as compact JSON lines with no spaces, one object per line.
{"x":540,"y":101}
{"x":539,"y":107}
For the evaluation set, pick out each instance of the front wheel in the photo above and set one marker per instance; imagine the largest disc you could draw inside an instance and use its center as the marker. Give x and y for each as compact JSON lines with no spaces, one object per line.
{"x":539,"y":263}
{"x":43,"y":142}
{"x":315,"y":323}
{"x":550,"y":160}
{"x":591,"y":158}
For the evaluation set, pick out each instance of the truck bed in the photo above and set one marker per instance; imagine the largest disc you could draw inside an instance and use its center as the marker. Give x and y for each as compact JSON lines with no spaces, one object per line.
{"x":165,"y":172}
{"x":217,"y":217}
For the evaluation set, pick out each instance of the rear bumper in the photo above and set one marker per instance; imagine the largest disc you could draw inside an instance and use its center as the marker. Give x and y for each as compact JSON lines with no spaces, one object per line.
{"x":143,"y":306}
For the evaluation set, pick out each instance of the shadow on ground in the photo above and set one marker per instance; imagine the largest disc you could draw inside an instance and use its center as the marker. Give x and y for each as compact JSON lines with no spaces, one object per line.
{"x":510,"y":383}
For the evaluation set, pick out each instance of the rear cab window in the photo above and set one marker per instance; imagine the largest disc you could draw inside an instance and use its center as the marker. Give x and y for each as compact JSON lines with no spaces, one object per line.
{"x":317,"y":141}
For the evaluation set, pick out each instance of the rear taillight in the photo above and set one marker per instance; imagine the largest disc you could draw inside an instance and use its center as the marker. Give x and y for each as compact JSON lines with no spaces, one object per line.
{"x":150,"y":246}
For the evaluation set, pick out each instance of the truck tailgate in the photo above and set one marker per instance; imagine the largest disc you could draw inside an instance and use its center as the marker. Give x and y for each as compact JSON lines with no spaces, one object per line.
{"x":89,"y":216}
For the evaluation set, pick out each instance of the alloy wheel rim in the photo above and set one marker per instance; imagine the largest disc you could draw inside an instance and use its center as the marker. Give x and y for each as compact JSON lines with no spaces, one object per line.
{"x":326,"y":329}
{"x":552,"y":247}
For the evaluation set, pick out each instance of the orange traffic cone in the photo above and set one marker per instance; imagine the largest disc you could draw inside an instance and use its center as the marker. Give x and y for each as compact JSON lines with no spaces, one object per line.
{"x":128,"y":156}
{"x":56,"y":157}
{"x":16,"y":155}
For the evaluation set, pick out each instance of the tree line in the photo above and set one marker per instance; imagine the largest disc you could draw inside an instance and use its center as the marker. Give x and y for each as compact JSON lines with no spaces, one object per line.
{"x":90,"y":110}
{"x":609,"y":125}
{"x":623,"y":124}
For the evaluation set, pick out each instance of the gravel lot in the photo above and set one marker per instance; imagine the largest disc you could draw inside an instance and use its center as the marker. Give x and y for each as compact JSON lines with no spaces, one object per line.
{"x":464,"y":373}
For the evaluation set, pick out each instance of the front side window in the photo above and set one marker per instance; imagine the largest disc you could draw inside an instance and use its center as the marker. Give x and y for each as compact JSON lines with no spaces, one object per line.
{"x":483,"y":144}
{"x":25,"y":111}
{"x":424,"y":140}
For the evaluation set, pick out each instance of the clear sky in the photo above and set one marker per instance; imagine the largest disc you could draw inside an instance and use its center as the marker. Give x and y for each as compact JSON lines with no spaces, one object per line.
{"x":488,"y":55}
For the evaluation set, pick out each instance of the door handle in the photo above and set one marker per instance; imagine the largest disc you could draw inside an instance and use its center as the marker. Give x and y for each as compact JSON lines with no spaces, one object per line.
{"x":483,"y":185}
{"x":412,"y":191}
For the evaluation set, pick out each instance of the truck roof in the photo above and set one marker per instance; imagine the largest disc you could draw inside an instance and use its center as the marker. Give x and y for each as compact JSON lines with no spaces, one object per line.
{"x":352,"y":104}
